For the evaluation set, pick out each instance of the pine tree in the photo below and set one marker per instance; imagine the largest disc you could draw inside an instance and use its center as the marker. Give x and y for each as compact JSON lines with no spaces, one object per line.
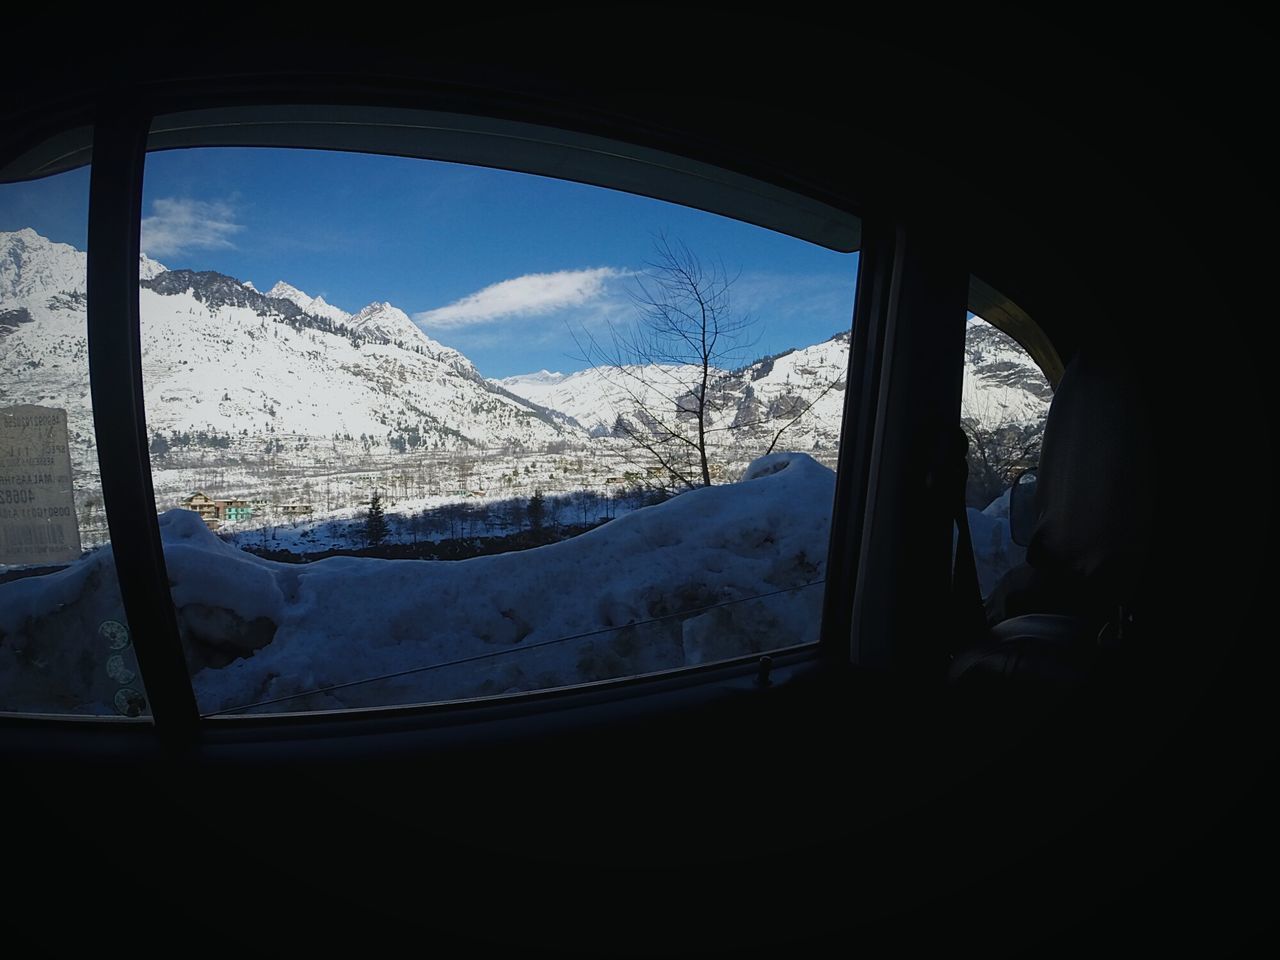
{"x":375,"y":524}
{"x":536,"y":511}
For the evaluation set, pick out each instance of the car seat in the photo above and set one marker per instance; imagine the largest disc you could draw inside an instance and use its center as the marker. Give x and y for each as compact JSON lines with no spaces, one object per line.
{"x":1080,"y":591}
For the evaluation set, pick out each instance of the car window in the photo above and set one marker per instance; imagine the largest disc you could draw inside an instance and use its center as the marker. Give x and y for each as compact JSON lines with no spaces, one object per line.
{"x":65,"y":643}
{"x":423,"y":431}
{"x":1003,"y":408}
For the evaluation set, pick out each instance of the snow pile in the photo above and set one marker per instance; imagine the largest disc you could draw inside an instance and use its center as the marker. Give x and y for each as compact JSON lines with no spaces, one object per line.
{"x":59,"y":649}
{"x":713,"y":573}
{"x":994,"y":551}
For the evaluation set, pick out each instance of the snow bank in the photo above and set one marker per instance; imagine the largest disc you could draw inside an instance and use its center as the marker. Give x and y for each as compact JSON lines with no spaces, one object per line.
{"x":59,"y":641}
{"x":994,"y":551}
{"x":713,"y":573}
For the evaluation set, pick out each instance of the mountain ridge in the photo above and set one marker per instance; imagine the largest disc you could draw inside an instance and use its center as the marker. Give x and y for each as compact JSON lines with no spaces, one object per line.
{"x":227,"y":364}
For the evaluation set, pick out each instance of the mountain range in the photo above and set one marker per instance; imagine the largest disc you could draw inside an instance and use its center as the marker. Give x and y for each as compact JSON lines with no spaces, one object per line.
{"x":222,"y":359}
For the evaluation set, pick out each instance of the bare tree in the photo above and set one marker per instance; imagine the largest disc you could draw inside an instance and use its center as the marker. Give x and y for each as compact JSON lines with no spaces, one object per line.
{"x":667,"y":362}
{"x":837,"y":382}
{"x":999,"y":447}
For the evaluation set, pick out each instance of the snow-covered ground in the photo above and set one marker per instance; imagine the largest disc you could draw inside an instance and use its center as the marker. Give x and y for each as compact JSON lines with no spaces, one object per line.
{"x":422,"y":519}
{"x":60,"y":649}
{"x":994,"y":551}
{"x":711,"y":574}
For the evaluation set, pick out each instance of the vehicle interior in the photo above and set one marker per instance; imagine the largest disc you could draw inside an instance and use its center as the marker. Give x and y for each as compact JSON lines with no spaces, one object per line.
{"x":1073,"y":761}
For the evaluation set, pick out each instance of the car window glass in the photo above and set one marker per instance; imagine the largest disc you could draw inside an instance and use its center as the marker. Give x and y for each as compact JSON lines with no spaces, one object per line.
{"x":65,"y":643}
{"x":421,"y":431}
{"x":1003,"y":409}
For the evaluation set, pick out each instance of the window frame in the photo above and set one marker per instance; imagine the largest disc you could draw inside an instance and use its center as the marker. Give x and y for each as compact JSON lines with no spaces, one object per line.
{"x":889,"y":256}
{"x":1001,"y":312}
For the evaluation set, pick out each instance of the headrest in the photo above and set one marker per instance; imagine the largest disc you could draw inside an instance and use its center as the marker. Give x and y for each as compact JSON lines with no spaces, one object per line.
{"x":1096,"y":481}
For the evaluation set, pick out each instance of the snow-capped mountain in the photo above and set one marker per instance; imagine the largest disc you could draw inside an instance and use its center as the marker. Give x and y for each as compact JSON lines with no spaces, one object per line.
{"x":287,"y":373}
{"x":801,"y":390}
{"x":316,"y":306}
{"x":596,"y":397}
{"x":149,"y":269}
{"x":33,"y":269}
{"x":379,"y":322}
{"x":799,"y":393}
{"x":223,"y":359}
{"x":1001,"y":382}
{"x":542,"y":377}
{"x":383,"y":322}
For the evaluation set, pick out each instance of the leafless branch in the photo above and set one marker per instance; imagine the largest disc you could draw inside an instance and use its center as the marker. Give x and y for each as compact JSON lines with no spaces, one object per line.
{"x":670,"y":359}
{"x":809,"y":406}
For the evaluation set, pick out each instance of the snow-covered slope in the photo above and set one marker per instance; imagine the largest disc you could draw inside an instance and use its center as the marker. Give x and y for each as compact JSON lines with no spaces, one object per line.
{"x":385,"y":323}
{"x":714,"y":573}
{"x":221,"y":358}
{"x":229,"y":364}
{"x":43,"y":349}
{"x":802,"y":390}
{"x":531,"y":382}
{"x":799,"y":392}
{"x":33,"y":269}
{"x":379,"y":322}
{"x":149,"y":269}
{"x":1001,"y":382}
{"x":596,"y":397}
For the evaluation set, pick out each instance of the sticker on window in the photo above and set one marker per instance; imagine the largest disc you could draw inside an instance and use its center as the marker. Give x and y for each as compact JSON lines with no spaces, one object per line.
{"x":37,"y":509}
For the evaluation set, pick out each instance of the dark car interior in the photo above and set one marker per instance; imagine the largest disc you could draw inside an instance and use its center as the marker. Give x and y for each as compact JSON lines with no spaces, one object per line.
{"x":1052,"y":617}
{"x":1074,"y":764}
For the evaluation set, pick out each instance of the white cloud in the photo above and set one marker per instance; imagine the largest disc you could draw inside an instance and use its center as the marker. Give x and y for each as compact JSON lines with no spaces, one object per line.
{"x":534,"y":294}
{"x":177,"y":225}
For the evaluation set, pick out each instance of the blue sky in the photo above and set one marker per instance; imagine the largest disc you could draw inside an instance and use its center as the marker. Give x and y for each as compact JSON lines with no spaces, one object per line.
{"x":497,"y":264}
